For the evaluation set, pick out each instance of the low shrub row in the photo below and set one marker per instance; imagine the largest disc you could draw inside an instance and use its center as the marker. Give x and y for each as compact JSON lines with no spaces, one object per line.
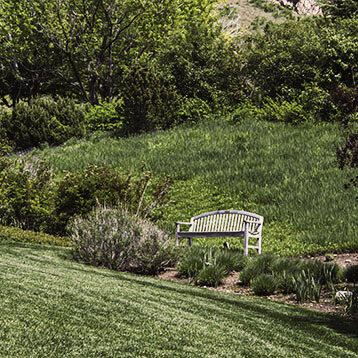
{"x":208,"y":267}
{"x":13,"y":234}
{"x":52,"y":121}
{"x":265,"y":274}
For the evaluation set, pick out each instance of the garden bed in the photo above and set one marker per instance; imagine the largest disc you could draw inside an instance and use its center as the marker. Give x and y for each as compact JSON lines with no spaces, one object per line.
{"x":232,"y":284}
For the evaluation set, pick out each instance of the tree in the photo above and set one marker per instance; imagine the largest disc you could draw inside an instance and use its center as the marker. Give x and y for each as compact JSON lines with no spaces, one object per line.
{"x":94,"y":41}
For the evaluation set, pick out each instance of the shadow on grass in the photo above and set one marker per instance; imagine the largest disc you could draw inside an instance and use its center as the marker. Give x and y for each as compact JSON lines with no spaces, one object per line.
{"x":279,"y":313}
{"x":307,"y":319}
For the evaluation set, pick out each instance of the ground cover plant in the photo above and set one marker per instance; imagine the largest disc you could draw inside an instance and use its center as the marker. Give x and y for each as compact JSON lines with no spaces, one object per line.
{"x":57,"y":307}
{"x":288,"y":174}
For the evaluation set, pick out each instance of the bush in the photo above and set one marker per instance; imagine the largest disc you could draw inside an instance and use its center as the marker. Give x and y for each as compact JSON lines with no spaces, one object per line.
{"x":149,"y":102}
{"x":104,"y":116}
{"x":264,"y":285}
{"x":282,"y":111}
{"x":12,"y":234}
{"x":42,"y":120}
{"x":306,"y":286}
{"x":256,"y":266}
{"x":231,"y":260}
{"x":211,"y":275}
{"x":26,"y":193}
{"x":351,"y":273}
{"x":79,"y":192}
{"x":117,"y":240}
{"x":192,"y":262}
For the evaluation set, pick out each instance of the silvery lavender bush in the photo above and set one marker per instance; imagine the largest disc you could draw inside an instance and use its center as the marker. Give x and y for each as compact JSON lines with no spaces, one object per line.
{"x":115,"y":239}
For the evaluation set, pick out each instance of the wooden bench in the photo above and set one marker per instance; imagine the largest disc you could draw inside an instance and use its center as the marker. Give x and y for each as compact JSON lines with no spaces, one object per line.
{"x":224,"y":223}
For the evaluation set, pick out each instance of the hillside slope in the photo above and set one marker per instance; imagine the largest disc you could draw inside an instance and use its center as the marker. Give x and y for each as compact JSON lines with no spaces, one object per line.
{"x":286,"y":173}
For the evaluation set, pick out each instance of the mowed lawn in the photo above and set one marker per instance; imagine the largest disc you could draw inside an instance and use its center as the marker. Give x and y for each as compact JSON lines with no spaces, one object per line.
{"x":53,"y":307}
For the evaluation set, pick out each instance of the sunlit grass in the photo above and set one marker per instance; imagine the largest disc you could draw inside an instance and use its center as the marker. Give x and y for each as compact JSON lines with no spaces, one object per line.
{"x":286,"y":173}
{"x":52,"y":307}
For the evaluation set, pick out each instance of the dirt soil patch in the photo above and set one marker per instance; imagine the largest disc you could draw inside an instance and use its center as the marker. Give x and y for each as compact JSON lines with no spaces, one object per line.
{"x":232,"y":284}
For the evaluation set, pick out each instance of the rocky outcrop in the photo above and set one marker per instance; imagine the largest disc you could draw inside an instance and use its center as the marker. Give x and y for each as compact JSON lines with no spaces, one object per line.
{"x":301,"y":7}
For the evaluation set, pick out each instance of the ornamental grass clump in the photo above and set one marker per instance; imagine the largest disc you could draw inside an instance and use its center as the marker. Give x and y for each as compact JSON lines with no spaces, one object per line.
{"x":351,"y":274}
{"x":264,"y":285}
{"x":211,"y":275}
{"x":115,"y":239}
{"x":191,"y":262}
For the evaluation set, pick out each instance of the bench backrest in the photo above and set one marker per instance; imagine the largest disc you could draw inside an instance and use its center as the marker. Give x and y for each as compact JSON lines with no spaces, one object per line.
{"x":226,"y":221}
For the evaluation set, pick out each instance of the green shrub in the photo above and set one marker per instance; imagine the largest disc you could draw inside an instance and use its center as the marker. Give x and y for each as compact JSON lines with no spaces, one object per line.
{"x":115,"y":239}
{"x":351,"y":273}
{"x":306,"y":286}
{"x":192,"y":262}
{"x":231,"y":260}
{"x":42,"y":120}
{"x":285,"y":282}
{"x":192,"y":110}
{"x":256,"y":266}
{"x":79,"y":192}
{"x":211,"y":275}
{"x":264,"y":285}
{"x":104,"y":116}
{"x":282,"y":111}
{"x":150,"y":102}
{"x":12,"y":234}
{"x":26,"y":193}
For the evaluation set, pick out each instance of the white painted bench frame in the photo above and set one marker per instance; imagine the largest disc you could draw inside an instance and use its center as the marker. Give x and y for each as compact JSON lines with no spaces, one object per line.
{"x":224,"y":223}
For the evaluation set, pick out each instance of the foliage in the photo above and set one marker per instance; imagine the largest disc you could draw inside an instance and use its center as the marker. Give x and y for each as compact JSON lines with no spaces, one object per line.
{"x":42,"y":120}
{"x":351,"y":273}
{"x":211,"y":275}
{"x":114,"y":239}
{"x":89,"y":46}
{"x":297,"y":56}
{"x":306,"y":287}
{"x":149,"y":102}
{"x":264,"y":285}
{"x":26,"y":193}
{"x":339,"y":8}
{"x":231,"y":260}
{"x":282,"y":111}
{"x":104,"y":116}
{"x":191,"y":262}
{"x":305,"y":278}
{"x":208,"y":266}
{"x":78,"y":193}
{"x":13,"y":234}
{"x":203,"y":67}
{"x":261,"y":264}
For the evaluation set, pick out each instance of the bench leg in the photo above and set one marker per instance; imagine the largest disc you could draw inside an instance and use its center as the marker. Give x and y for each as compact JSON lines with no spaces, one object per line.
{"x":176,"y":240}
{"x":246,"y":241}
{"x":190,"y":241}
{"x":259,"y":245}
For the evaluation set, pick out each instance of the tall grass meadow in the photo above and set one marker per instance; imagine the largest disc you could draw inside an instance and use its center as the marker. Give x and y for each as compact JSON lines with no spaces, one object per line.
{"x":286,"y":173}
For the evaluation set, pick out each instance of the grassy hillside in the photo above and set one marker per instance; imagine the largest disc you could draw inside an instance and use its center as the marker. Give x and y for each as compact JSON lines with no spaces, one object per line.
{"x":51,"y":307}
{"x":286,"y":173}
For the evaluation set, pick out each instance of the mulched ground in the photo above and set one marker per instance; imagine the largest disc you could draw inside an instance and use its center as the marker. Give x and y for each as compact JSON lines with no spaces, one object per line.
{"x":233,"y":285}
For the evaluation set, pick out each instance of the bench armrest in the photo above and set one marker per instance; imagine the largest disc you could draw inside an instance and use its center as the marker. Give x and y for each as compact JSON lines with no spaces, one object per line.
{"x":178,"y":223}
